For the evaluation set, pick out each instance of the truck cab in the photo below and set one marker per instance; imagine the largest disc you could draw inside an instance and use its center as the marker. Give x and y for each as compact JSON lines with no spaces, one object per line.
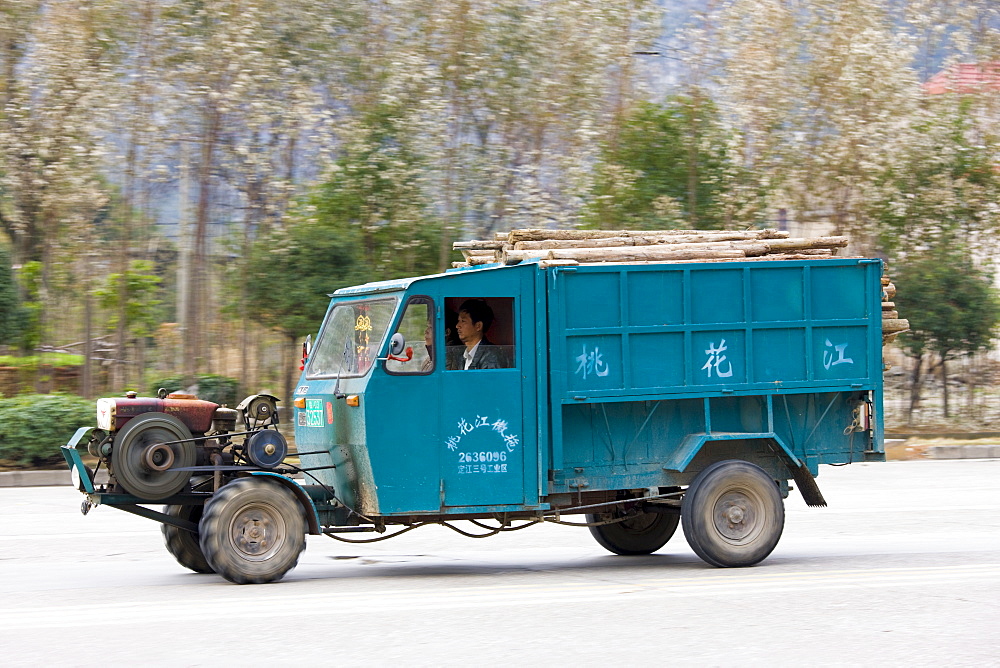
{"x":417,"y":432}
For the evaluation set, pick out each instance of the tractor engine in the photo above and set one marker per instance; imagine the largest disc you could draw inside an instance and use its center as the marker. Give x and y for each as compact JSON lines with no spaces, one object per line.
{"x":153,"y":446}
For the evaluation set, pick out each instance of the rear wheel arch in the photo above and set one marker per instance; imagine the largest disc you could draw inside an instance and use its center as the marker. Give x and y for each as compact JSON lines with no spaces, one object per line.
{"x":308,"y":507}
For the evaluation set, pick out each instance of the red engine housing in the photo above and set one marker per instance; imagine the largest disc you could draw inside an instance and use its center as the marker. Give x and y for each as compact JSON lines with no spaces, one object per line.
{"x":196,"y":414}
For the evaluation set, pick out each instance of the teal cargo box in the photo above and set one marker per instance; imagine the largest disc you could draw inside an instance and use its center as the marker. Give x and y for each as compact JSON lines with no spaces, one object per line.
{"x":638,"y":397}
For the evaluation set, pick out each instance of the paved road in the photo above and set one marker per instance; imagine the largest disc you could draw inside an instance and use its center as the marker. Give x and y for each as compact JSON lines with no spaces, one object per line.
{"x":902,"y":569}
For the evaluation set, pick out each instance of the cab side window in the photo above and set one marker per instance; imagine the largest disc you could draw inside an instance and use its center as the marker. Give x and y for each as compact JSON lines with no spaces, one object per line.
{"x":479,"y":333}
{"x":417,"y":328}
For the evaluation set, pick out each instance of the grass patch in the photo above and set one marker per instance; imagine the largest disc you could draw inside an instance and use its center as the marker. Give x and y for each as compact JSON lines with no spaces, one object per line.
{"x":45,"y":359}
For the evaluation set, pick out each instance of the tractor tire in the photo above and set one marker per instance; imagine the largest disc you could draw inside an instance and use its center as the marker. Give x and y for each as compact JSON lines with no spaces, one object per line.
{"x":733,"y":514}
{"x":184,"y":545}
{"x":252,"y":531}
{"x":641,"y":534}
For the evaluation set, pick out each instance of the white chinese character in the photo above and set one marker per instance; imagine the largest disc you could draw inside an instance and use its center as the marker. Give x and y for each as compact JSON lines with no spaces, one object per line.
{"x":591,"y":363}
{"x":828,"y":359}
{"x":597,"y":363}
{"x":500,"y":426}
{"x":453,"y":441}
{"x":511,"y":441}
{"x":464,"y":426}
{"x":582,"y":359}
{"x":715,"y":360}
{"x":482,"y":421}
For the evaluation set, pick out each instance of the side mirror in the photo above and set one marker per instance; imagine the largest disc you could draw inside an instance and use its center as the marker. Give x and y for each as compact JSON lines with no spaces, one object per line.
{"x":397,"y":344}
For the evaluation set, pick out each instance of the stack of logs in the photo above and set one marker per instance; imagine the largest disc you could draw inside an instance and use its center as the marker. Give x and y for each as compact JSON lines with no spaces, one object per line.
{"x":557,"y":248}
{"x":892,"y":325}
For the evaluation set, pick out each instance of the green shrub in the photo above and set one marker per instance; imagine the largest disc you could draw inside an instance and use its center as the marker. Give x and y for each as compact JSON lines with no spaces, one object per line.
{"x":34,"y":426}
{"x":220,"y":389}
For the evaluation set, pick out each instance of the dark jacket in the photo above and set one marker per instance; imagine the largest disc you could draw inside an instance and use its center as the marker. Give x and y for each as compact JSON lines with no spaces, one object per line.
{"x":488,"y":356}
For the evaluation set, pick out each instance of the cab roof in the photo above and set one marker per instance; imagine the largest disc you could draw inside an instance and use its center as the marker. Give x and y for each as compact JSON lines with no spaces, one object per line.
{"x":400,"y":284}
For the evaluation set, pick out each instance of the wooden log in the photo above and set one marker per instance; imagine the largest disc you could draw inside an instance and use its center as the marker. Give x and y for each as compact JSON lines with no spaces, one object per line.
{"x":816,"y":252}
{"x":548,"y":264}
{"x":895,"y":326}
{"x":763,"y":258}
{"x":568,"y":235}
{"x":477,"y":260}
{"x":479,"y":244}
{"x":890,"y":315}
{"x":630,"y":254}
{"x":459,"y":265}
{"x":752,"y":248}
{"x":574,"y":243}
{"x":531,"y":234}
{"x":797,"y":244}
{"x":889,"y":290}
{"x":707,"y":237}
{"x":469,"y":254}
{"x":888,"y":306}
{"x":515,"y":256}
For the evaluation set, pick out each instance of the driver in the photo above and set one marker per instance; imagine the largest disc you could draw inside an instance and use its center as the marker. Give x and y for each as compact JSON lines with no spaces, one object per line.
{"x":474,"y":319}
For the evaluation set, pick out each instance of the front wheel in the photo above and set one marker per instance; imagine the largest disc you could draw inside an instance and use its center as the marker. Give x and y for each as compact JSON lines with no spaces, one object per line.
{"x":733,"y":514}
{"x":252,"y":531}
{"x":643,"y":533}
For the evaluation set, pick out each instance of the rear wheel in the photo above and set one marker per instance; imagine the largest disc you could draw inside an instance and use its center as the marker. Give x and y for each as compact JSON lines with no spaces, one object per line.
{"x":733,"y":514}
{"x":252,"y":531}
{"x":184,"y":544}
{"x":642,"y":533}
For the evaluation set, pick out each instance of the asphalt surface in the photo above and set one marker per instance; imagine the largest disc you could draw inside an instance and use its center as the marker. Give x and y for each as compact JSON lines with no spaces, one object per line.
{"x":901,"y":569}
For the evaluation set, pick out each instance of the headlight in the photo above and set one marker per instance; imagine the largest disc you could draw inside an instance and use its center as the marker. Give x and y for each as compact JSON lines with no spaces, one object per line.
{"x":77,"y":478}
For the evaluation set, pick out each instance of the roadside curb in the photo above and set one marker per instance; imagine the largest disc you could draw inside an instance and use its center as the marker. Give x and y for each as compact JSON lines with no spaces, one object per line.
{"x":35,"y":478}
{"x":963,"y":452}
{"x":48,"y":478}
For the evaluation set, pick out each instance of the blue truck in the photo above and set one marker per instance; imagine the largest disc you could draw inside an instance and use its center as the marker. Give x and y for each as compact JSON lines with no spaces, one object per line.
{"x":636,"y":397}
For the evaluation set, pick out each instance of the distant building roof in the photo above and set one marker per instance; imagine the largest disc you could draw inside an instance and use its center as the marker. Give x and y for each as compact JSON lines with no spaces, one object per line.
{"x":965,"y":78}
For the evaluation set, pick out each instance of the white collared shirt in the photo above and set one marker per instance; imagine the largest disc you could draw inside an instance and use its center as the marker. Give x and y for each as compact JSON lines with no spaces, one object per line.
{"x":470,"y":353}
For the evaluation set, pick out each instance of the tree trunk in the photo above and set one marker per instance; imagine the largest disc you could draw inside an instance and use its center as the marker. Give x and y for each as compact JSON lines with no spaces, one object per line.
{"x":291,"y":367}
{"x":693,"y":143}
{"x":915,"y":380}
{"x":140,"y":364}
{"x":197,"y":305}
{"x":87,"y":381}
{"x":944,"y":385}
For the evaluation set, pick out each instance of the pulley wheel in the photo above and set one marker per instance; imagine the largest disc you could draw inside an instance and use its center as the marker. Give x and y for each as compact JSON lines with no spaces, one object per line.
{"x":145,"y":453}
{"x":266,"y":448}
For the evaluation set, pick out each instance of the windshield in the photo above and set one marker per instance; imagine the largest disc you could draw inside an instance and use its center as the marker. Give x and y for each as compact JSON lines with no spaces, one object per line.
{"x":350,"y":338}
